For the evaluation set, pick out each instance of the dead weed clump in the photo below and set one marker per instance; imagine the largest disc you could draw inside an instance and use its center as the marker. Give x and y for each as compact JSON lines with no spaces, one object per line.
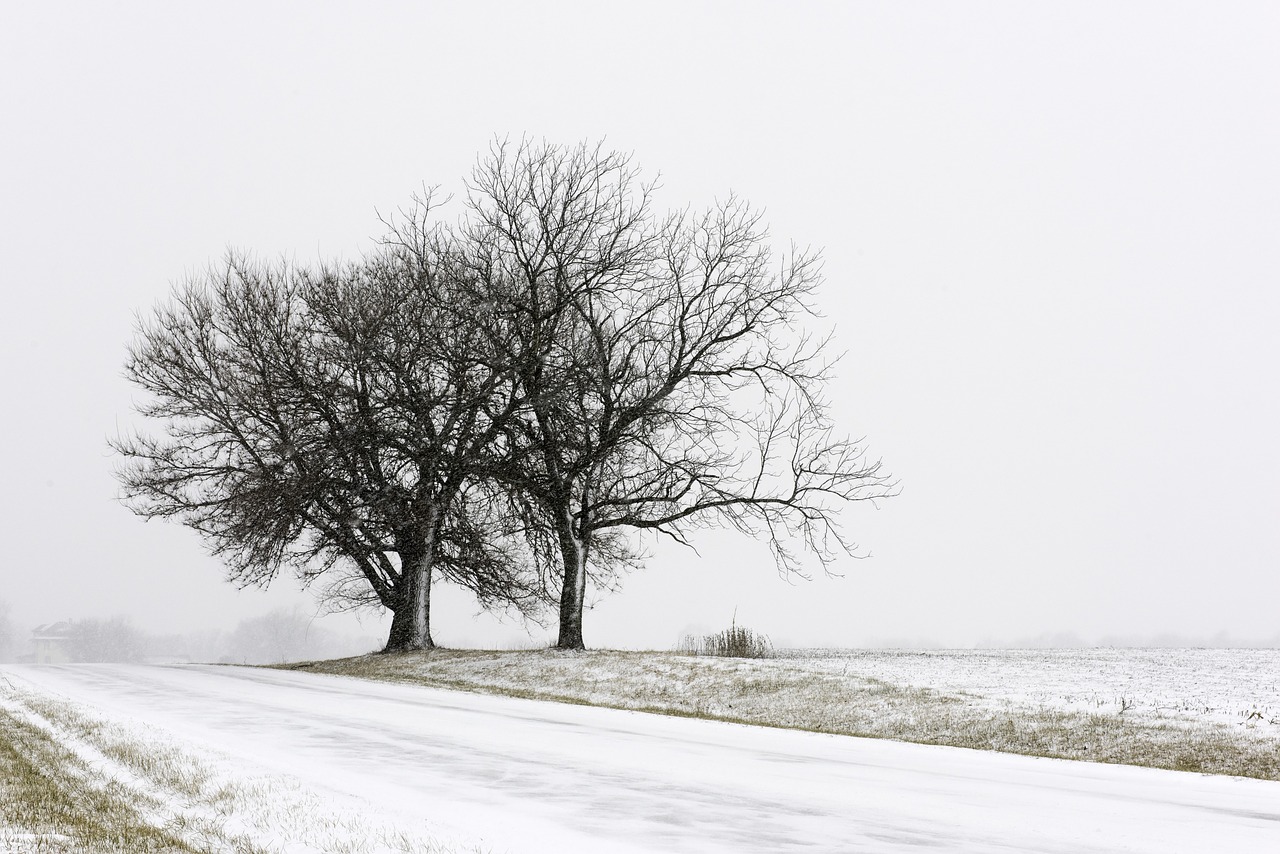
{"x":733,"y":642}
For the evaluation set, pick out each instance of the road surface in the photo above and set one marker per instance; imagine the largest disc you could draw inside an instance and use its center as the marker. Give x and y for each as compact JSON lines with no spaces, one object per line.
{"x":529,"y":776}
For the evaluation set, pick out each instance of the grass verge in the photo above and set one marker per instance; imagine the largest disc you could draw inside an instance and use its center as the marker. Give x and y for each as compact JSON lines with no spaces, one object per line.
{"x":51,"y":801}
{"x":777,"y":693}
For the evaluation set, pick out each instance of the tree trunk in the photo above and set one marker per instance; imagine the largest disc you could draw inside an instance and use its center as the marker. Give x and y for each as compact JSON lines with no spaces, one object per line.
{"x":573,"y":550}
{"x":401,"y":627}
{"x":411,"y":623}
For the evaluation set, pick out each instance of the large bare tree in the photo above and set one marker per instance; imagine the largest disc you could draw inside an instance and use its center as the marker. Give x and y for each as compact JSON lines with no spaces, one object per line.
{"x":664,"y":377}
{"x":330,"y":421}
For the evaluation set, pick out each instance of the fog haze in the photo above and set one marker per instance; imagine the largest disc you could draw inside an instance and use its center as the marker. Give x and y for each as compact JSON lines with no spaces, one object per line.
{"x":1050,"y":250}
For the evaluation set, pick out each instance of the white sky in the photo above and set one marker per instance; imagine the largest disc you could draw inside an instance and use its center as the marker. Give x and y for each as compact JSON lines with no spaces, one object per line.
{"x":1051,"y":250}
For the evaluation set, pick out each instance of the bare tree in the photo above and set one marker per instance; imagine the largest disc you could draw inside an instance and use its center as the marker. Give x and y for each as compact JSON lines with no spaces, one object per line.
{"x":8,"y":637}
{"x":115,"y":639}
{"x":324,"y":421}
{"x":663,"y":377}
{"x":279,"y":636}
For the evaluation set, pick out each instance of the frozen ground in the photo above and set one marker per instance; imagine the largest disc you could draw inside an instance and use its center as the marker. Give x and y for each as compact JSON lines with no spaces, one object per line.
{"x":73,"y":779}
{"x":1193,"y":710}
{"x":521,"y":775}
{"x":1239,"y":687}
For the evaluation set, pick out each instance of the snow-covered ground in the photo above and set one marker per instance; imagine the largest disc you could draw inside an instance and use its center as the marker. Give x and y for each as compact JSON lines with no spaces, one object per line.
{"x":112,"y":783}
{"x":1189,"y":710}
{"x":522,"y":775}
{"x":1229,"y":686}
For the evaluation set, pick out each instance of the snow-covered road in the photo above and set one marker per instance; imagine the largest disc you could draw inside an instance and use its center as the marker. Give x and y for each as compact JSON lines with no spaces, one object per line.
{"x":529,"y":776}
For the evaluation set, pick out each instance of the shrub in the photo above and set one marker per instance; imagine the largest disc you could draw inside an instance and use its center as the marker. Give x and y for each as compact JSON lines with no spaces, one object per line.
{"x":734,"y":642}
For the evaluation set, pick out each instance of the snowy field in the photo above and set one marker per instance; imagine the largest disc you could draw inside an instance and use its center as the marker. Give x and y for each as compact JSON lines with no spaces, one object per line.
{"x":303,"y":762}
{"x":1239,"y":687}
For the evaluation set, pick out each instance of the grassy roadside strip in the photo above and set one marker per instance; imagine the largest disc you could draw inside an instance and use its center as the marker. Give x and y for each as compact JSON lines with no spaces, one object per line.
{"x":52,"y":801}
{"x":775,"y":693}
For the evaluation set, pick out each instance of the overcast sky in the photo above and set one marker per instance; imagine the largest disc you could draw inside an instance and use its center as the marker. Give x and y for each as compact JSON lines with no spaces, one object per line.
{"x":1052,"y":244}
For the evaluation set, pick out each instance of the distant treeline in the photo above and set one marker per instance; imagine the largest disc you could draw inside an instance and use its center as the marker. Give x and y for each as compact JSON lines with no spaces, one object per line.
{"x":278,"y":636}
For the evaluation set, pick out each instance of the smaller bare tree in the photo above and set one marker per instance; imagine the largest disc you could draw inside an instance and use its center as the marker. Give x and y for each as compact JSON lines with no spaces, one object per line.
{"x":664,"y":379}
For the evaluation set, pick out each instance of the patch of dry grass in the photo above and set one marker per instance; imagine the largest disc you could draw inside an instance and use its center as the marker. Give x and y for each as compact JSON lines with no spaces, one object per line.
{"x":778,"y":692}
{"x":51,"y":801}
{"x":734,"y":642}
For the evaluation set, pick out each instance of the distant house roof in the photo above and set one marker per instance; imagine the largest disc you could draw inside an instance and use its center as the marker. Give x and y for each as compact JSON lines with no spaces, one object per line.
{"x":61,"y":630}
